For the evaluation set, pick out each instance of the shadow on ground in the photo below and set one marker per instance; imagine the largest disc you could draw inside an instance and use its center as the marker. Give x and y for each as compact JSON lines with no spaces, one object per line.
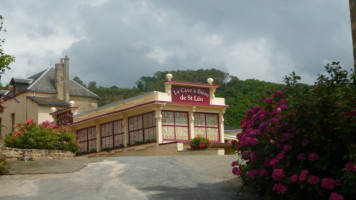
{"x":221,"y":190}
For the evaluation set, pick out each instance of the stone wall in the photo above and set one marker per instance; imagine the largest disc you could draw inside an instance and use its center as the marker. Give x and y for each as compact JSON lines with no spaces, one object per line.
{"x":35,"y":154}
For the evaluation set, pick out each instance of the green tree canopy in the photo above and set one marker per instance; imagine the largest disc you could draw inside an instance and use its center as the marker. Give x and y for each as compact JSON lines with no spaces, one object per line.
{"x":5,"y":59}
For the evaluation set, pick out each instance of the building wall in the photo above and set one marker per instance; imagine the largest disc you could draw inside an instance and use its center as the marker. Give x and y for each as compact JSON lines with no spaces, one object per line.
{"x":28,"y":109}
{"x":12,"y":107}
{"x":84,"y":104}
{"x":155,"y":102}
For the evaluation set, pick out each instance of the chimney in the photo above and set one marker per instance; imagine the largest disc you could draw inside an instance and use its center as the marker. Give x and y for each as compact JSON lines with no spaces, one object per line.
{"x":66,"y":79}
{"x":62,"y":79}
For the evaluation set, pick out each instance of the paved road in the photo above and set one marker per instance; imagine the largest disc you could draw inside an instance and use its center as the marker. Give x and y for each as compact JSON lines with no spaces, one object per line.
{"x":164,"y":177}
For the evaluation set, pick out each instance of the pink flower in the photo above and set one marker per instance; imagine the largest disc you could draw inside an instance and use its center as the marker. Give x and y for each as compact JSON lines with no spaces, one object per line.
{"x":313,"y":180}
{"x":272,"y":142}
{"x":328,"y":183}
{"x":336,"y":196}
{"x":245,"y":155}
{"x":294,"y":178}
{"x":268,"y":100}
{"x":284,"y":107}
{"x":283,"y":101}
{"x":280,"y":156}
{"x":233,"y":142}
{"x":256,"y":109}
{"x":64,"y":142}
{"x":305,"y":142}
{"x":279,"y":188}
{"x":29,"y":121}
{"x":349,"y":166}
{"x":313,"y":157}
{"x":249,"y":112}
{"x":278,"y":174}
{"x":304,"y":172}
{"x":287,"y":148}
{"x":254,"y":133}
{"x":254,"y":157}
{"x":263,"y":172}
{"x":233,"y":164}
{"x":303,"y":175}
{"x":273,"y":162}
{"x":266,"y":162}
{"x":234,"y":170}
{"x":301,"y":157}
{"x":252,"y":173}
{"x":277,"y":93}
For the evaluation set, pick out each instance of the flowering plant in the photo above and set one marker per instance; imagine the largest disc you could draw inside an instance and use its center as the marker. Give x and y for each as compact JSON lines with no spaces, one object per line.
{"x":199,"y":142}
{"x":298,"y":144}
{"x":29,"y":135}
{"x":2,"y":106}
{"x":4,"y":168}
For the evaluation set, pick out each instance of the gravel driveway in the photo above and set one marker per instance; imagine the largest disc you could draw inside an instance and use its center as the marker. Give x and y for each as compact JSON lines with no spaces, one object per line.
{"x":149,"y":177}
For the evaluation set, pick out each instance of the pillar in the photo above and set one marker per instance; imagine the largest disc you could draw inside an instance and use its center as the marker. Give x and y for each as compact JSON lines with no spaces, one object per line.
{"x":98,"y":136}
{"x":191,"y":122}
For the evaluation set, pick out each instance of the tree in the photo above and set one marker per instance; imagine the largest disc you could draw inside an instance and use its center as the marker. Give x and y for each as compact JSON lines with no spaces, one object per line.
{"x":5,"y":59}
{"x":78,"y":80}
{"x":92,"y":85}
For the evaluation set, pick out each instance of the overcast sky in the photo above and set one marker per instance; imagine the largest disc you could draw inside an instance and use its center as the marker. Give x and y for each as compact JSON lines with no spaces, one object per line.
{"x":115,"y":42}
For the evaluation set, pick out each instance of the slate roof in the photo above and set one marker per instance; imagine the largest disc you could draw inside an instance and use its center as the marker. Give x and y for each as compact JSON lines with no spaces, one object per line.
{"x":44,"y":81}
{"x":49,"y":101}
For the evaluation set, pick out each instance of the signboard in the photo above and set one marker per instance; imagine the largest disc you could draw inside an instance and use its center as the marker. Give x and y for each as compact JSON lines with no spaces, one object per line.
{"x":65,"y":118}
{"x":190,"y":95}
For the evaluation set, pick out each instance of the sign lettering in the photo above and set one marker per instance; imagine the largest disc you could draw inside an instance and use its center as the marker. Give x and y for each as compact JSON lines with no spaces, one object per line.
{"x":65,"y":118}
{"x":191,"y":95}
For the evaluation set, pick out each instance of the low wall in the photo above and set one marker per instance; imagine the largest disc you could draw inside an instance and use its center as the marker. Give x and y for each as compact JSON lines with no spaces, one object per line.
{"x":35,"y":154}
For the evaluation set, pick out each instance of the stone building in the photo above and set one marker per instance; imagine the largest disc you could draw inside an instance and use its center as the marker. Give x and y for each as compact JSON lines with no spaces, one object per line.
{"x":33,"y":97}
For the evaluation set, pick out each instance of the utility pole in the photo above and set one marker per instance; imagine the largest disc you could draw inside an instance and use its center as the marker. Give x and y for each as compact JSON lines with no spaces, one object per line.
{"x":353,"y":27}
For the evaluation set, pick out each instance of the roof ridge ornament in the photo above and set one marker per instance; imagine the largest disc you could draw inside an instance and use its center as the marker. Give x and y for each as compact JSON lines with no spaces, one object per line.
{"x":210,"y":81}
{"x":169,"y":77}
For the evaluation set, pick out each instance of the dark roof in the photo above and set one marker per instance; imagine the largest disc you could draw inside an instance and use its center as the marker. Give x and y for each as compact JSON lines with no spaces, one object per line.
{"x":50,"y":101}
{"x":75,"y":89}
{"x":45,"y":82}
{"x":19,"y":80}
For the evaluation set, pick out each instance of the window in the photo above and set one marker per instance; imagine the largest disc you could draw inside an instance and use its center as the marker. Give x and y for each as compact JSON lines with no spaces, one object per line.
{"x":207,"y":125}
{"x":112,"y":134}
{"x":142,"y":128}
{"x":175,"y":126}
{"x":87,"y":139}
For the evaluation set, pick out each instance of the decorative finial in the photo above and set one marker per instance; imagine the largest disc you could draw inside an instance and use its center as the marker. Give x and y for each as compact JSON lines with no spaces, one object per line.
{"x":53,"y":109}
{"x":210,"y":81}
{"x":169,"y":77}
{"x":71,"y":103}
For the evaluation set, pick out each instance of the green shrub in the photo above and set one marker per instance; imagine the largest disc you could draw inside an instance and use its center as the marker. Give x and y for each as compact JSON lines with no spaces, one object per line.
{"x":4,"y":168}
{"x":199,"y":142}
{"x":29,"y":135}
{"x":300,"y":144}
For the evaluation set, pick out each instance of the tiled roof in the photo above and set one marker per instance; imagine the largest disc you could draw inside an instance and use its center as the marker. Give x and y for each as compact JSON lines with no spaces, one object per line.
{"x":45,"y":82}
{"x":75,"y":89}
{"x":50,"y":101}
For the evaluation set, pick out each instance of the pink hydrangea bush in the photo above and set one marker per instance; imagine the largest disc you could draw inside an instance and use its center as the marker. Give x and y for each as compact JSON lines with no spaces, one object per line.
{"x":298,"y":144}
{"x":46,"y":135}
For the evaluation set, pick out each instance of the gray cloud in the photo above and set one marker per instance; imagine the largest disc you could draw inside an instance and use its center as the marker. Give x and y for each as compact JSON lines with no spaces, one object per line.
{"x":116,"y":42}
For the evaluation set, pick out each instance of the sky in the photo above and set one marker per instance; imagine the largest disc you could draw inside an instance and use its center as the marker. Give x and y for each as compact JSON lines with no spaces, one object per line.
{"x":115,"y":42}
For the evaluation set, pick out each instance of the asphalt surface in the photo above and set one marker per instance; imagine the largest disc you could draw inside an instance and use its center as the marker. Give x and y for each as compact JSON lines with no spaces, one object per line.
{"x":149,"y":177}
